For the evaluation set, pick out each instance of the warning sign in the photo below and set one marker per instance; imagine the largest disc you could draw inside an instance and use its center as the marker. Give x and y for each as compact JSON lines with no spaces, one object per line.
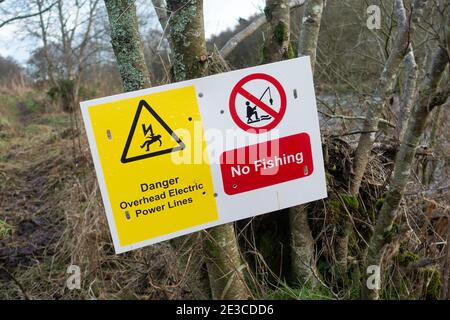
{"x":257,"y":102}
{"x":188,"y":156}
{"x":267,"y":164}
{"x":143,"y":142}
{"x":148,"y":194}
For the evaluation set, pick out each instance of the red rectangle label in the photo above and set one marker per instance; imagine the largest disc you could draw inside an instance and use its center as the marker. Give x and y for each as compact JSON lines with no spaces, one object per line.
{"x":265,"y":164}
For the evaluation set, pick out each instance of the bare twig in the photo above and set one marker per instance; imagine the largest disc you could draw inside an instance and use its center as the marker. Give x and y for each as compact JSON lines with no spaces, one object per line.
{"x":19,"y":285}
{"x":250,"y":29}
{"x":26,"y":16}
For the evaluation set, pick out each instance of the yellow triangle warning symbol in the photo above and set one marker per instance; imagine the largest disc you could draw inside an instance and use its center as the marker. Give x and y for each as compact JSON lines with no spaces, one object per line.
{"x":149,"y":136}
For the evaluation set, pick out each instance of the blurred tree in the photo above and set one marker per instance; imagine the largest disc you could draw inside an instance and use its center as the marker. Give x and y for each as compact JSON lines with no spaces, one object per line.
{"x":67,"y":43}
{"x":10,"y":70}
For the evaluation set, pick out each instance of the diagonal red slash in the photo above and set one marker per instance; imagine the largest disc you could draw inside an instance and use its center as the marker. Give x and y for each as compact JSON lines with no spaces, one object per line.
{"x":257,"y":102}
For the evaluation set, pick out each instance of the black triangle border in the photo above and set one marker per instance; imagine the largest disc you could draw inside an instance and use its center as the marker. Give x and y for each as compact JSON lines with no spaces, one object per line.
{"x":142,"y":104}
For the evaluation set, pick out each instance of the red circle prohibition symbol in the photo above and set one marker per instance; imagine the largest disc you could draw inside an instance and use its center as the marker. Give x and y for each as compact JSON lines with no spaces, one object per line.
{"x":239,"y":89}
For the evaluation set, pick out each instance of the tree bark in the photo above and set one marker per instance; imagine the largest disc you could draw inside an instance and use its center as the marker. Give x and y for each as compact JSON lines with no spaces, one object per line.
{"x":224,"y":264}
{"x":409,"y":91}
{"x":239,"y":37}
{"x":187,"y":35}
{"x":309,"y":34}
{"x":127,"y":45}
{"x":277,"y":46}
{"x":426,"y":101}
{"x":161,"y":12}
{"x":302,"y":242}
{"x":303,"y":262}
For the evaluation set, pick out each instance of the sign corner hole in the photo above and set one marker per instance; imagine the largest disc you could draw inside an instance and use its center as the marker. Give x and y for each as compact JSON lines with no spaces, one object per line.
{"x":109,"y":134}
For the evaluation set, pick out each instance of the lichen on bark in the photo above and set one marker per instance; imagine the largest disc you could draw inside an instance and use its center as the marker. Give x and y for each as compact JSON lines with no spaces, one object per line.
{"x":187,"y":37}
{"x":277,"y":45}
{"x":309,"y":34}
{"x":127,"y":45}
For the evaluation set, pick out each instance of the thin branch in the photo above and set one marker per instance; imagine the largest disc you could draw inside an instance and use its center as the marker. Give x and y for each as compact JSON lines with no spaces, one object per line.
{"x":26,"y":16}
{"x":250,"y":29}
{"x":344,"y":117}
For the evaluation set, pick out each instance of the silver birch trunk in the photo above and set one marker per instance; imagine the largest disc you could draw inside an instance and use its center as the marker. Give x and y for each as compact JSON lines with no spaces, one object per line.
{"x":426,"y":101}
{"x":187,"y":34}
{"x":384,"y":88}
{"x":302,"y":243}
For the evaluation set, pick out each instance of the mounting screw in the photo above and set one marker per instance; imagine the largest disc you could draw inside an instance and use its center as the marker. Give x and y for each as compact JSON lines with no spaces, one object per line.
{"x":108,"y":134}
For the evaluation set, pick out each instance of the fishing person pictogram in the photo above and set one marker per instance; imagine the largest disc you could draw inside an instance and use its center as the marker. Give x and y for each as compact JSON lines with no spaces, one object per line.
{"x":151,"y":138}
{"x":257,"y":103}
{"x":251,"y":111}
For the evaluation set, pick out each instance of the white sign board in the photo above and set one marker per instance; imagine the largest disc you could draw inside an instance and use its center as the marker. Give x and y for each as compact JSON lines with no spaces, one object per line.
{"x":183,"y":157}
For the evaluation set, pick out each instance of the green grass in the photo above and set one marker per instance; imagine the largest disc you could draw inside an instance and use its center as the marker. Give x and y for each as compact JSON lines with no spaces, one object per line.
{"x":5,"y":229}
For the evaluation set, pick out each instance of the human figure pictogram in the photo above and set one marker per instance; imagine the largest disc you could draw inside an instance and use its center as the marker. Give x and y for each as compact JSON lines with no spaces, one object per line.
{"x":152,"y":138}
{"x":250,"y":112}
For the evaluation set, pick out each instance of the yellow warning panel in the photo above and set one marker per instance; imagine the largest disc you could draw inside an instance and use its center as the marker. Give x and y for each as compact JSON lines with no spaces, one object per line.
{"x":151,"y":194}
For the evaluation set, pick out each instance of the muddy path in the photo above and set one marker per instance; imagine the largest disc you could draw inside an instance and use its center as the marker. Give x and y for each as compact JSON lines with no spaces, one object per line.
{"x":24,"y":115}
{"x":27,"y":186}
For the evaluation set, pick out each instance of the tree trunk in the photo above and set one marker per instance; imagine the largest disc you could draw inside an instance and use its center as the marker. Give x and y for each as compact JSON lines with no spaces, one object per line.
{"x":302,"y":242}
{"x":187,"y":36}
{"x":277,"y":46}
{"x":381,"y":95}
{"x":239,"y":37}
{"x":309,"y":33}
{"x":161,"y":12}
{"x":409,"y":92}
{"x":303,"y":262}
{"x":224,"y":264}
{"x":48,"y":60}
{"x":426,"y":101}
{"x":127,"y":45}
